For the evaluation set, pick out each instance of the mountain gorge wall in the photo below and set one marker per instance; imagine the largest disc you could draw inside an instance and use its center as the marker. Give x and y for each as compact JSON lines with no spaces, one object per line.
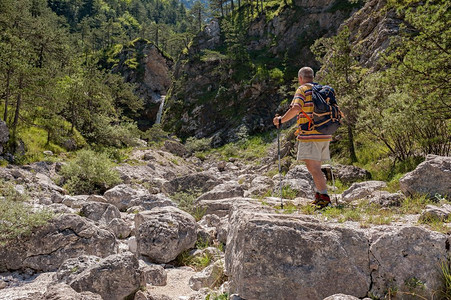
{"x":145,"y":65}
{"x":215,"y":95}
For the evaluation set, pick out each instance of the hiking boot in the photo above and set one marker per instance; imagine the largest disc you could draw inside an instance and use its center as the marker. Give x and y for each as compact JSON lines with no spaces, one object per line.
{"x":322,"y":201}
{"x":315,"y":202}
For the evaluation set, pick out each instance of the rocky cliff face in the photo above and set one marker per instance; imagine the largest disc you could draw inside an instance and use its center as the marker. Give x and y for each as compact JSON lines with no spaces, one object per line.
{"x":371,"y":28}
{"x":150,"y":69}
{"x":214,"y":95}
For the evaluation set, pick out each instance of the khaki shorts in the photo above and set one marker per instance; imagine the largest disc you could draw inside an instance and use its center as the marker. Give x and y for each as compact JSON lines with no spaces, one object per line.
{"x":313,"y":150}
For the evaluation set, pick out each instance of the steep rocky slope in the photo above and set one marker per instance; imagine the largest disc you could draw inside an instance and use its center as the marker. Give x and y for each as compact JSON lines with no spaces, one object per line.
{"x":225,"y":95}
{"x":144,"y":64}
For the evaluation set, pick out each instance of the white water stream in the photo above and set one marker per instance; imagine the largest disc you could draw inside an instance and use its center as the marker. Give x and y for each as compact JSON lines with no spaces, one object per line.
{"x":160,"y":110}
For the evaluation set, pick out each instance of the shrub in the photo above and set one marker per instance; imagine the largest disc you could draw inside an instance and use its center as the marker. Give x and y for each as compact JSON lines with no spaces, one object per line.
{"x":193,"y":144}
{"x":16,"y":217}
{"x":89,"y":172}
{"x":155,"y":135}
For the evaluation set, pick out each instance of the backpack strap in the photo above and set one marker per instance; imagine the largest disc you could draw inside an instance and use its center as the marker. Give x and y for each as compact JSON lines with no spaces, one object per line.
{"x":310,"y":121}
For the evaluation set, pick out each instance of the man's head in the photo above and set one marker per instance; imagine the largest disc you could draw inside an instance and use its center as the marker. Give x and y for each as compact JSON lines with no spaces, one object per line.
{"x":305,"y":75}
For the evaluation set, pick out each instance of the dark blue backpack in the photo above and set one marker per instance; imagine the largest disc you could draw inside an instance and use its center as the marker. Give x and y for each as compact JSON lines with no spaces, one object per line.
{"x":326,"y":113}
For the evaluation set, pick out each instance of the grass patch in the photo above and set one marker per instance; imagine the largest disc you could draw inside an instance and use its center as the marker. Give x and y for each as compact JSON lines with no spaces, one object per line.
{"x":414,"y":205}
{"x":446,"y":278}
{"x":35,"y":140}
{"x":186,"y":201}
{"x":18,"y":219}
{"x":249,"y":148}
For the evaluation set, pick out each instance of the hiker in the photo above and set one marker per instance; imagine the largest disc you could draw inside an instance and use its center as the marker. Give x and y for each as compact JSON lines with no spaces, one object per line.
{"x":313,"y":146}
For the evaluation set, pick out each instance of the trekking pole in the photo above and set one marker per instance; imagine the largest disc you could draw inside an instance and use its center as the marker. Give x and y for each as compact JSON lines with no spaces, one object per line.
{"x":280,"y":169}
{"x":333,"y":183}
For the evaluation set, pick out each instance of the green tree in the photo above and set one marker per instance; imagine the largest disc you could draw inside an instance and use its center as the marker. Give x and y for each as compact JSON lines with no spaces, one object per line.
{"x":342,"y":71}
{"x":407,"y":105}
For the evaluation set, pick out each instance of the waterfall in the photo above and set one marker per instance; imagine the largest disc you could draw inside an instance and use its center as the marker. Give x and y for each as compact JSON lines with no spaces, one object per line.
{"x":160,"y":110}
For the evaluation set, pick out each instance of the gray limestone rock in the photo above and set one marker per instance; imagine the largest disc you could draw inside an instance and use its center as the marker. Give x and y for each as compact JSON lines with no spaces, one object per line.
{"x":153,"y":274}
{"x":432,"y":178}
{"x":210,"y":276}
{"x":408,"y":259}
{"x":362,"y":190}
{"x":124,"y":196}
{"x":224,"y":190}
{"x":273,"y":256}
{"x":120,"y":228}
{"x":163,"y":233}
{"x":114,"y":277}
{"x":197,"y":181}
{"x":100,"y":212}
{"x":433,"y":212}
{"x":64,"y":237}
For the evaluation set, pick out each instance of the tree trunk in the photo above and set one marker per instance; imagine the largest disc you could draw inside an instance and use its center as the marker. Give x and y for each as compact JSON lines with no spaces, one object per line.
{"x":222,"y":8}
{"x":7,"y":94}
{"x":233,"y":7}
{"x":352,"y":154}
{"x":199,"y":17}
{"x":48,"y":137}
{"x":156,"y":34}
{"x":16,"y":114}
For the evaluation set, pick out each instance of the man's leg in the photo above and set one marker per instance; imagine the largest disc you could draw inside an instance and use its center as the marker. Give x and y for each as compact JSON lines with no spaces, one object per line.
{"x":321,"y":198}
{"x":314,"y":167}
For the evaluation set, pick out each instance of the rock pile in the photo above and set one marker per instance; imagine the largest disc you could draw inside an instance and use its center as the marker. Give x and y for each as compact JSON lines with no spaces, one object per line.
{"x":133,"y":236}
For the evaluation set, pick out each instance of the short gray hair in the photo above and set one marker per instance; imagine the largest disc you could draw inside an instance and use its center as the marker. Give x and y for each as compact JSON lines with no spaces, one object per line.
{"x":306,"y":73}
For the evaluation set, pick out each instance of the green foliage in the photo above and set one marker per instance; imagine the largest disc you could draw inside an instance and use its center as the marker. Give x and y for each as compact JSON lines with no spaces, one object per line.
{"x":446,"y":273}
{"x":17,"y":217}
{"x":288,"y":192}
{"x":249,"y":148}
{"x":89,"y":172}
{"x":187,"y":201}
{"x":193,"y":144}
{"x":210,"y":55}
{"x":155,"y":135}
{"x":35,"y":140}
{"x":215,"y":296}
{"x":198,"y":263}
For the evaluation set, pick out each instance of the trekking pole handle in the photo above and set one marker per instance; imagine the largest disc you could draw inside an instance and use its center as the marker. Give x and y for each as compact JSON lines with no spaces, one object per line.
{"x":280,"y":120}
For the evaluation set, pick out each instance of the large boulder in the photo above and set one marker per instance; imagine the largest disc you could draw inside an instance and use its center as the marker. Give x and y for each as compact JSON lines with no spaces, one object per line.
{"x":362,"y":190}
{"x":432,"y":177}
{"x":43,"y":287}
{"x":349,"y":174}
{"x":259,"y":186}
{"x":225,"y":190}
{"x":273,"y":256}
{"x":300,"y":180}
{"x":114,"y":277}
{"x":47,"y":247}
{"x":124,"y":196}
{"x":197,"y":181}
{"x":100,"y":212}
{"x":163,"y":233}
{"x":408,"y":259}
